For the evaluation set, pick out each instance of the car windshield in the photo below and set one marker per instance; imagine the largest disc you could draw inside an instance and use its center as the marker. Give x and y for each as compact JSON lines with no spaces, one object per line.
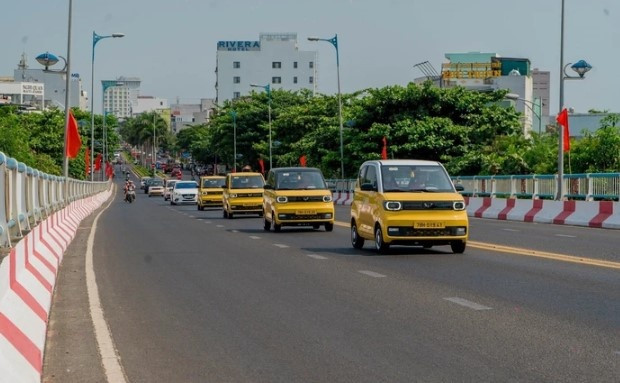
{"x":415,"y":178}
{"x":213,"y":183}
{"x":247,"y":182}
{"x":296,"y":180}
{"x":186,"y":185}
{"x":157,"y":183}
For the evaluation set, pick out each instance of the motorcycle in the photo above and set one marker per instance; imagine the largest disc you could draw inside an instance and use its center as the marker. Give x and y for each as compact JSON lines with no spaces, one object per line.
{"x":130,"y":196}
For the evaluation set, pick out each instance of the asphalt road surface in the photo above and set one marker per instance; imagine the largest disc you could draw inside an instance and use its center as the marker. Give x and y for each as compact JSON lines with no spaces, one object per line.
{"x":189,"y":296}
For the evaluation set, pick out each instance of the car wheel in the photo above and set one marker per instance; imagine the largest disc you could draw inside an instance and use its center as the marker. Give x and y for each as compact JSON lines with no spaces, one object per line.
{"x":356,"y":240}
{"x":315,"y":226}
{"x":266,"y":223}
{"x":380,"y":246}
{"x":329,"y":226}
{"x":224,"y":213}
{"x":458,"y":247}
{"x":230,"y":215}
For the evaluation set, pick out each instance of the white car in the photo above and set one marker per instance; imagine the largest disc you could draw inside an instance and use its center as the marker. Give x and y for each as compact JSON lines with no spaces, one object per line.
{"x":168,"y":189}
{"x":184,"y":192}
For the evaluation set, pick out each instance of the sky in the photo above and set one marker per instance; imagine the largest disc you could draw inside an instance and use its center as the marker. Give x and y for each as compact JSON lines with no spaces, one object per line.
{"x":171,"y":45}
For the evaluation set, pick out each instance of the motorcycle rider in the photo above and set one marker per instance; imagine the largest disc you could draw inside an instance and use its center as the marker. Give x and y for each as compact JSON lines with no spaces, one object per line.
{"x":129,"y":186}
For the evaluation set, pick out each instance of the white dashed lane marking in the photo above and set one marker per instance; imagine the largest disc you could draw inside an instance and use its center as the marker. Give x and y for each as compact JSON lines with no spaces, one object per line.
{"x":281,"y":246}
{"x":315,"y":256}
{"x":371,"y":274}
{"x":207,"y":221}
{"x":254,"y":237}
{"x":566,"y":236}
{"x":514,"y":230}
{"x":191,"y":216}
{"x":219,"y":225}
{"x":469,"y":304}
{"x":234,"y":231}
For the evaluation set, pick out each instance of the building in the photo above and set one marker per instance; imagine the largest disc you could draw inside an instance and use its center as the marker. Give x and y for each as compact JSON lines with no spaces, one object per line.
{"x":149,"y":104}
{"x":184,"y":115}
{"x":53,"y":85}
{"x":542,"y":81}
{"x":120,"y":96}
{"x":488,"y":71}
{"x":274,"y":59}
{"x":27,"y":94}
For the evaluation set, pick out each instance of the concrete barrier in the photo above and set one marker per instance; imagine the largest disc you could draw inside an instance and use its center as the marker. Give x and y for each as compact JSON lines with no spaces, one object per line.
{"x":601,"y":214}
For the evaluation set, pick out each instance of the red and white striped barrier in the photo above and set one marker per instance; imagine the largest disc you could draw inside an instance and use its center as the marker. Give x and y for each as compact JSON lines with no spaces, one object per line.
{"x":601,"y":214}
{"x":27,"y":279}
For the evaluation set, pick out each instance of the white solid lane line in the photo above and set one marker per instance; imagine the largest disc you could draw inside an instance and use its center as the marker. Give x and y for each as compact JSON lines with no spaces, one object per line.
{"x":281,"y":246}
{"x":316,"y":256}
{"x":107,"y":351}
{"x":371,"y":274}
{"x":469,"y":304}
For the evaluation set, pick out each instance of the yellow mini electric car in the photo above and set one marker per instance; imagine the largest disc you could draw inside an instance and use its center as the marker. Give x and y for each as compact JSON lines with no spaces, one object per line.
{"x":210,"y":191}
{"x":297,"y":197}
{"x":243,"y":194}
{"x":407,"y":202}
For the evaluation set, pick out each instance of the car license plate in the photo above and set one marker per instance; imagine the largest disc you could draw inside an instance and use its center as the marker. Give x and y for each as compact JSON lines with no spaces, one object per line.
{"x":305,"y":212}
{"x":429,"y":225}
{"x":249,"y":204}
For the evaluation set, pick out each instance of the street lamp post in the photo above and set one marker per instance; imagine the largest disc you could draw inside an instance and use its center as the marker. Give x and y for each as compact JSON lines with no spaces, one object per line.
{"x":334,"y":42}
{"x":47,"y":59}
{"x":530,"y":105}
{"x":581,"y":67}
{"x":268,"y":90}
{"x":96,"y":39}
{"x":233,"y":113}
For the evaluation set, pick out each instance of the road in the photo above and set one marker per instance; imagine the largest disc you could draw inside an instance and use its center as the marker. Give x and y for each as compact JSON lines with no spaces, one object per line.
{"x":189,"y":296}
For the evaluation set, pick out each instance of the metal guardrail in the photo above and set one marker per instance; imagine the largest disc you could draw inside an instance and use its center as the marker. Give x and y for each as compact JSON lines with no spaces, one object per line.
{"x":30,"y":196}
{"x":587,"y":186}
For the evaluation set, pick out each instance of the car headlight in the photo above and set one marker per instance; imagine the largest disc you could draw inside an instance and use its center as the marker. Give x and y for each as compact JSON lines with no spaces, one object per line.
{"x":281,"y":199}
{"x":205,"y":192}
{"x":233,"y":195}
{"x":458,"y":205}
{"x":327,"y":198}
{"x":392,"y":205}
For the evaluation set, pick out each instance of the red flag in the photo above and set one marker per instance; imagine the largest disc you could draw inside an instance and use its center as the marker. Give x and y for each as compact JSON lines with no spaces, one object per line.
{"x":262,"y":165}
{"x":562,"y":119}
{"x":87,"y":161}
{"x":74,"y":141}
{"x":302,"y":160}
{"x":98,"y":162}
{"x":384,"y":150}
{"x":108,"y":169}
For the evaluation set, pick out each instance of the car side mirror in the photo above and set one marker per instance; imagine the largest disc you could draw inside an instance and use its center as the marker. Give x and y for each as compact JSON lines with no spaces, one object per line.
{"x":459,"y":187}
{"x":367,"y":187}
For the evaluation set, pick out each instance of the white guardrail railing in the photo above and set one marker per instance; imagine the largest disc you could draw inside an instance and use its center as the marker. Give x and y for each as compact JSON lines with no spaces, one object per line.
{"x":30,"y":196}
{"x":586,"y":187}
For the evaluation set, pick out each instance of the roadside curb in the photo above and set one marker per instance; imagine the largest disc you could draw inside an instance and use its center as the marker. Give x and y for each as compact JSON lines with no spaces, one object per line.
{"x":27,"y":279}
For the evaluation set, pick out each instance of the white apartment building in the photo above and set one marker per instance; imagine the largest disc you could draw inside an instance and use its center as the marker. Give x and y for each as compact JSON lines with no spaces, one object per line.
{"x":274,"y":59}
{"x":183,"y":115}
{"x":53,"y":85}
{"x":120,"y":96}
{"x":149,"y":104}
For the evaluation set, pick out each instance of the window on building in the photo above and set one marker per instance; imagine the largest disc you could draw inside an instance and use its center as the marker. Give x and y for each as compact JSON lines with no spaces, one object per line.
{"x":236,"y":94}
{"x":236,"y":64}
{"x":295,"y":64}
{"x":295,"y":80}
{"x":276,"y":65}
{"x":311,"y":64}
{"x":311,"y":80}
{"x":276,"y":80}
{"x":236,"y":79}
